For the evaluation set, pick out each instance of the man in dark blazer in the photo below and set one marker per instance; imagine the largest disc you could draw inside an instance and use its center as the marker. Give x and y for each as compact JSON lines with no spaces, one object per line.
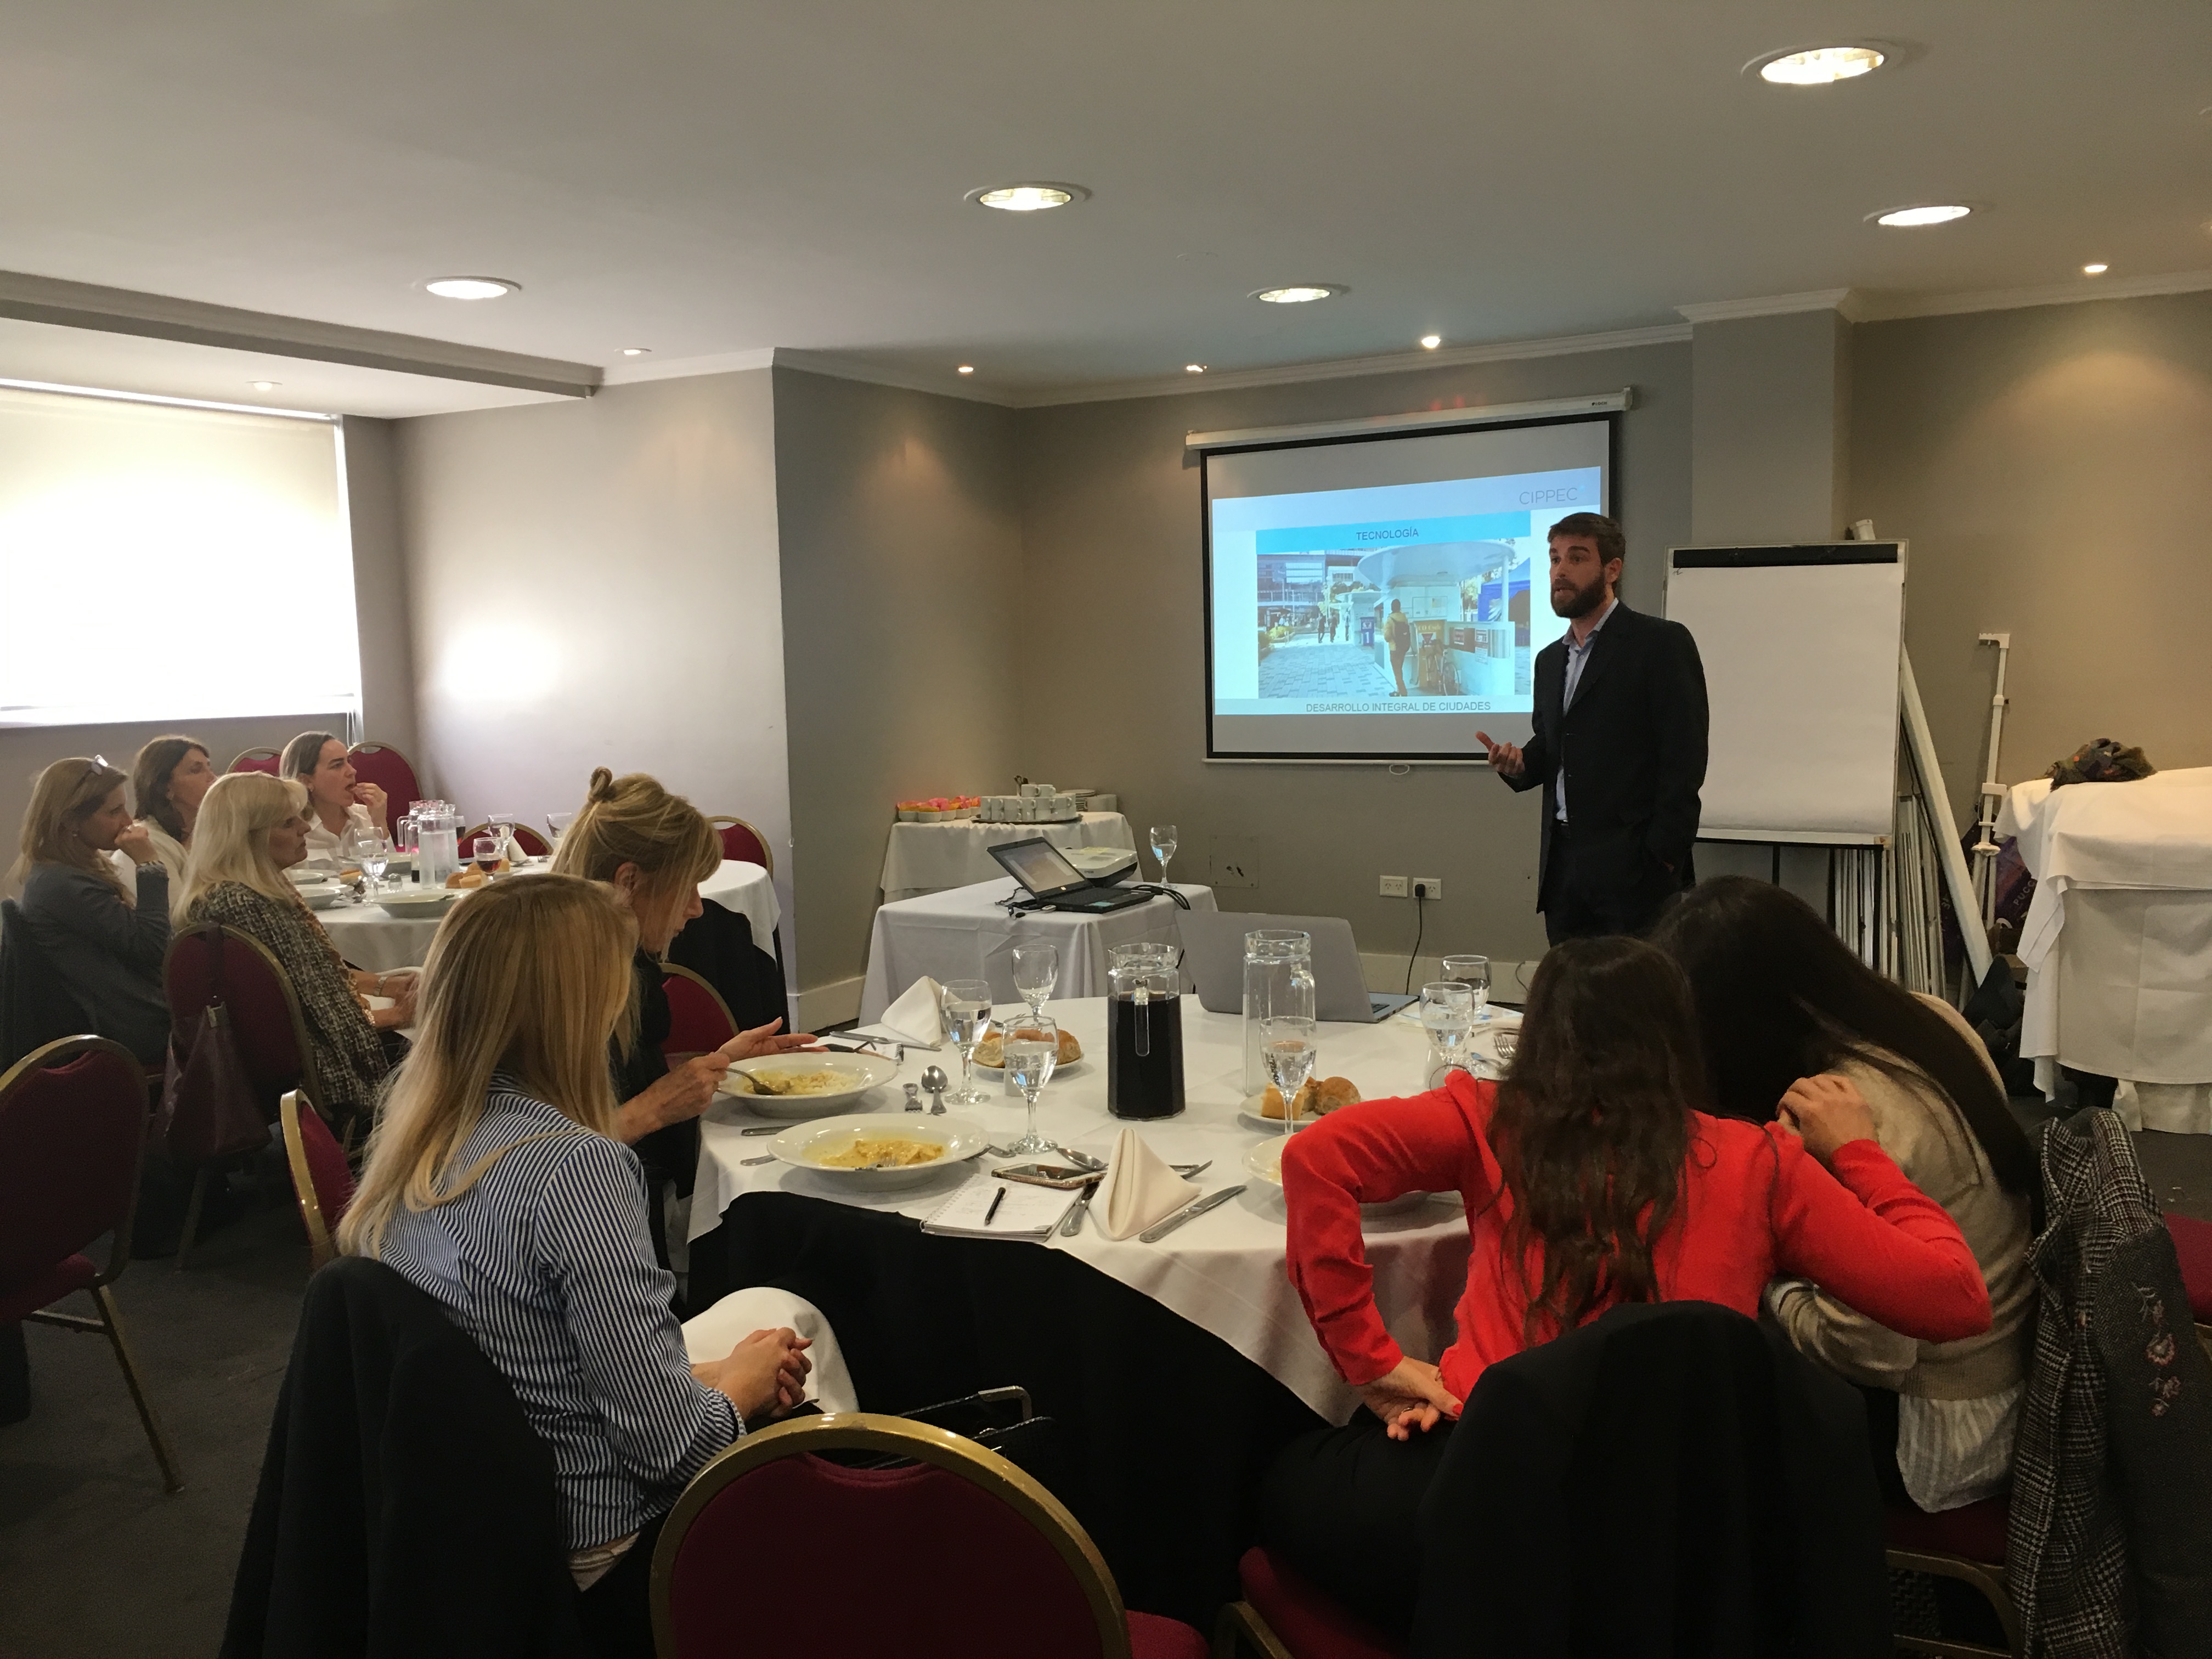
{"x":1619,"y":746}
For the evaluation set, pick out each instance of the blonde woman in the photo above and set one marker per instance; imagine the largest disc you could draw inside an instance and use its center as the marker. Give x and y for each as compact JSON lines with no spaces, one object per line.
{"x":103,"y":938}
{"x":652,"y":849}
{"x":493,"y":1183}
{"x":338,"y":799}
{"x":252,"y":829}
{"x":168,"y":780}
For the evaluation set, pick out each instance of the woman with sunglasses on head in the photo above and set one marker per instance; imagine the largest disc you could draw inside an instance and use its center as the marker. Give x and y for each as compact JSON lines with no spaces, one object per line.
{"x":103,"y":938}
{"x":1781,"y":999}
{"x":1593,"y":1175}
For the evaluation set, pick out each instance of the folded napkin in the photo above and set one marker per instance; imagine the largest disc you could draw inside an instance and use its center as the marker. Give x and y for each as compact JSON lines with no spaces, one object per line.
{"x":919,"y":1016}
{"x":1139,"y":1189}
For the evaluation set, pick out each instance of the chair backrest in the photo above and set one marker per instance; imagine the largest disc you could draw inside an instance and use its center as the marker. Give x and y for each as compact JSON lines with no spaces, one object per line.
{"x":912,"y":1541}
{"x":321,"y":1182}
{"x":381,"y":764}
{"x":35,"y":1007}
{"x":533,"y":844}
{"x":741,"y":842}
{"x":208,"y":962}
{"x":698,"y":1018}
{"x":72,"y":1123}
{"x":258,"y":759}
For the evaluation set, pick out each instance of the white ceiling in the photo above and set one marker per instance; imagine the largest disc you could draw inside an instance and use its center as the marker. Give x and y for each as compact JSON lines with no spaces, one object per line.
{"x":706,"y":177}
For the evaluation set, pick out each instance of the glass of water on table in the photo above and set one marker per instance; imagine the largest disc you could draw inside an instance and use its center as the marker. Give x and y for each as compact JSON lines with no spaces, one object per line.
{"x":1473,"y":972}
{"x":1291,"y":1045}
{"x":967,"y":1020}
{"x":1448,"y":1016}
{"x":1031,"y":1053}
{"x":1164,"y":842}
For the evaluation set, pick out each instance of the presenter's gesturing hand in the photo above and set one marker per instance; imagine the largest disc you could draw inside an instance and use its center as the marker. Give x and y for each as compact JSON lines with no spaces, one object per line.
{"x":1504,"y":758}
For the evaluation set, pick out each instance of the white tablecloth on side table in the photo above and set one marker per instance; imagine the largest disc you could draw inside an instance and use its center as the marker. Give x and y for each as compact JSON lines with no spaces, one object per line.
{"x":928,"y":858}
{"x":370,"y":936}
{"x":1223,"y":1272}
{"x":2119,"y":939}
{"x":968,"y":933}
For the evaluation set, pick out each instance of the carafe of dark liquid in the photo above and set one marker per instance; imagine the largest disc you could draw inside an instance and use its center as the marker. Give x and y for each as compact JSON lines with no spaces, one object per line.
{"x":1143,"y":1040}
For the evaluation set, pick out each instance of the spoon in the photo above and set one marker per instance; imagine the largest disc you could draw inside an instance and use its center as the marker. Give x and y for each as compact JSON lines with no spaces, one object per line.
{"x":934,"y":1080}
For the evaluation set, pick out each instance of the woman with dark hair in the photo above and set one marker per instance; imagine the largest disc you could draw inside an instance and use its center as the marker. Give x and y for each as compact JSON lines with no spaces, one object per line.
{"x":1779,"y":997}
{"x":1592,"y":1175}
{"x":168,"y":780}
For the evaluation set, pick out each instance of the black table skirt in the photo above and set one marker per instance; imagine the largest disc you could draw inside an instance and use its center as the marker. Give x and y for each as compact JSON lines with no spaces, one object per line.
{"x":1167,"y":1428}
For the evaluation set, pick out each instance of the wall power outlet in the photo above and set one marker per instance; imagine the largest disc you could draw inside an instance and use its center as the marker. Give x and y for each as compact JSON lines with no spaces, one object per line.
{"x":1428,"y":887}
{"x":1393,"y":887}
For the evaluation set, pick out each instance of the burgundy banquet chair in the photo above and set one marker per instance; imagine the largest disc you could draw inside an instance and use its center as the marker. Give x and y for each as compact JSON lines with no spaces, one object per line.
{"x":258,"y":760}
{"x":322,"y":1183}
{"x":381,"y":764}
{"x":533,"y":844}
{"x":743,"y":843}
{"x":742,"y":1552}
{"x":72,"y":1126}
{"x":217,"y":975}
{"x":699,"y":1020}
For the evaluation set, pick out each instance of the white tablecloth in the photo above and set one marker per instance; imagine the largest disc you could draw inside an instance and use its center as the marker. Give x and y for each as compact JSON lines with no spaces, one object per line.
{"x":1224,"y":1271}
{"x":369,"y":937}
{"x":928,"y":858}
{"x":2118,"y":938}
{"x":966,"y":934}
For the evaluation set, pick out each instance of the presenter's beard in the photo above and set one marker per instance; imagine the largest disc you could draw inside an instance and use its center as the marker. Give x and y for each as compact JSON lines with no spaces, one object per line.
{"x":1572,"y":602}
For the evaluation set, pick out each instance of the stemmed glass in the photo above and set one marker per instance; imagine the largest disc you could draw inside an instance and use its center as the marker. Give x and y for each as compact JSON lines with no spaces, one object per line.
{"x":1448,"y":1016}
{"x":1163,"y":838}
{"x":486,"y":848}
{"x":501,"y":824}
{"x":1032,"y":1053}
{"x":1037,"y":972}
{"x":1473,"y":972}
{"x":558,"y":823}
{"x":968,"y":1019}
{"x":1290,"y":1044}
{"x":374,"y":850}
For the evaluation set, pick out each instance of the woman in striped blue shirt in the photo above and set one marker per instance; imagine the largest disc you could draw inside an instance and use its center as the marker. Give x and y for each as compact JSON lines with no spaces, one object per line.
{"x":494,"y":1184}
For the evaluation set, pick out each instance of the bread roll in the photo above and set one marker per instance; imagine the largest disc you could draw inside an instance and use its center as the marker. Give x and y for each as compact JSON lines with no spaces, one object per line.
{"x":1317,"y":1098}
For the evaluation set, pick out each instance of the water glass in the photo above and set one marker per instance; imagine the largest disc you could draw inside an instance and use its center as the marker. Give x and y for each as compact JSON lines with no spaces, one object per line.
{"x":558,"y":823}
{"x":1448,"y":1016}
{"x":1163,"y":839}
{"x":967,"y":1020}
{"x":1037,"y":971}
{"x":1473,"y":972}
{"x":375,"y":849}
{"x":1291,"y":1045}
{"x":1031,"y":1054}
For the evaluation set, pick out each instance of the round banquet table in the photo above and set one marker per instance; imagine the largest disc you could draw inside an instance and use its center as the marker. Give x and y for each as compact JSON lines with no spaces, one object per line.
{"x":1175,"y":1370}
{"x":370,"y":936}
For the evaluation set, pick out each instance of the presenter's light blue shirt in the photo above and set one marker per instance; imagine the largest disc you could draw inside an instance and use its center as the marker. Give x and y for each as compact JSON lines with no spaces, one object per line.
{"x":1577,"y":654}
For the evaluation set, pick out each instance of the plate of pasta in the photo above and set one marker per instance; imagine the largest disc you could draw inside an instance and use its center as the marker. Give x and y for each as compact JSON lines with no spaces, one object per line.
{"x":878,"y":1150}
{"x":807,"y":1086}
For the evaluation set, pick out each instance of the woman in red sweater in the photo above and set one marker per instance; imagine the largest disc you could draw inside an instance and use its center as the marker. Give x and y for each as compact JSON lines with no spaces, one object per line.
{"x":1591,"y":1176}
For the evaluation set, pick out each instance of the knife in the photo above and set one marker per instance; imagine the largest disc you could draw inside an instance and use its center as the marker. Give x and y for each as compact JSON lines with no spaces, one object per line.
{"x":1153,"y":1234}
{"x":1073,"y":1224}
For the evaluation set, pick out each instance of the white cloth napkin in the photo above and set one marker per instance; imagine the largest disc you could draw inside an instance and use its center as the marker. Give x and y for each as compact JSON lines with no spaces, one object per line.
{"x":1139,"y":1189}
{"x":918,"y":1015}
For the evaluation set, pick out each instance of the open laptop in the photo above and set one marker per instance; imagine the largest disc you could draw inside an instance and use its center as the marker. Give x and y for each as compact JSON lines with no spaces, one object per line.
{"x":1213,"y":956}
{"x":1056,"y":884}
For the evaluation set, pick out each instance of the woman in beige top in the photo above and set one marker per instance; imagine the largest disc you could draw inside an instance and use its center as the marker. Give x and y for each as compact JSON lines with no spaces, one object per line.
{"x":1779,"y":997}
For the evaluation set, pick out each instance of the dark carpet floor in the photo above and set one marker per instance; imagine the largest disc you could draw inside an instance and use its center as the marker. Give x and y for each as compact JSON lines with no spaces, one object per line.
{"x":96,"y":1562}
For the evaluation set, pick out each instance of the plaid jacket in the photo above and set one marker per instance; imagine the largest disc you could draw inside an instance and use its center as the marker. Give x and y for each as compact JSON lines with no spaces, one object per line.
{"x":2109,"y":1550}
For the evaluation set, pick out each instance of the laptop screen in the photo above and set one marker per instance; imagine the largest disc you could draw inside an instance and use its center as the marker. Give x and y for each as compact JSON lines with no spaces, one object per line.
{"x":1038,"y":866}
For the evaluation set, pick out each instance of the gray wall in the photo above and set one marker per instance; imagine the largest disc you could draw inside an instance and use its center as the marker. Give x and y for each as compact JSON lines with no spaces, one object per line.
{"x":904,"y":612}
{"x":2051,"y":468}
{"x":379,"y":587}
{"x":1770,"y":428}
{"x":1112,"y":669}
{"x":595,"y":583}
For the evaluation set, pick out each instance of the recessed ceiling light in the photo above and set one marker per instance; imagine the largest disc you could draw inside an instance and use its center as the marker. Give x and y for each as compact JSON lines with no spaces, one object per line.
{"x":967,"y":368}
{"x":637,"y":351}
{"x":2095,"y":269}
{"x":1930,"y":213}
{"x":472,"y":287}
{"x":1032,"y":197}
{"x":1818,"y":66}
{"x":1299,"y":294}
{"x":1431,"y":342}
{"x":266,"y":386}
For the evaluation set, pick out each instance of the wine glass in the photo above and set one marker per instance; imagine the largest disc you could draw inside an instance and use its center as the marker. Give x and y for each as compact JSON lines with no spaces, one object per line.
{"x":1032,"y":1053}
{"x":486,"y":848}
{"x":502,"y":825}
{"x":1290,"y":1044}
{"x":1037,"y":971}
{"x":1163,"y":838}
{"x":967,"y":1019}
{"x":1473,"y":972}
{"x":1448,"y":1016}
{"x":376,"y":853}
{"x":558,"y":823}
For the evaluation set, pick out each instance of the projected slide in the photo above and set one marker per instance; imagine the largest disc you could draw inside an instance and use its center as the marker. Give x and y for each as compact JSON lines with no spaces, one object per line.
{"x":1382,"y":619}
